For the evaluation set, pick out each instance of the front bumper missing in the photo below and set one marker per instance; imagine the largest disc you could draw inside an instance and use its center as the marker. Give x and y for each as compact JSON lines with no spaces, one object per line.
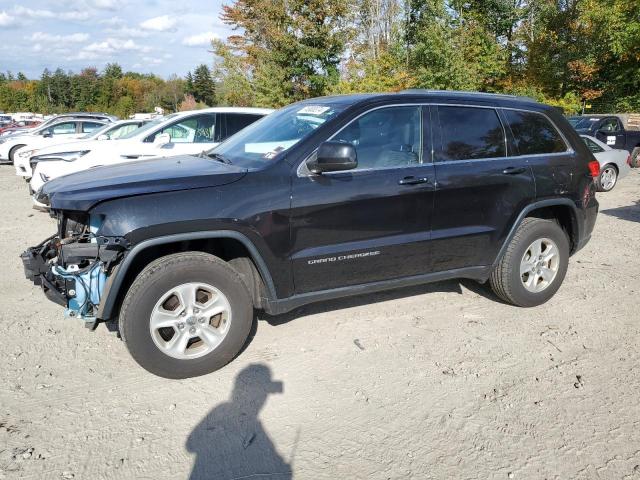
{"x":78,"y":285}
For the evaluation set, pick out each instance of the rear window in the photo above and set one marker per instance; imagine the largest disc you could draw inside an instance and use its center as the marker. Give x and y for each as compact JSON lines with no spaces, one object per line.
{"x":533,"y":133}
{"x":469,"y":133}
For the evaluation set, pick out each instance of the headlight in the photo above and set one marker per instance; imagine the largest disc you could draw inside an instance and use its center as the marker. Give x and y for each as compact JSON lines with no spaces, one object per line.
{"x":26,"y":153}
{"x":43,"y":177}
{"x":66,"y":156}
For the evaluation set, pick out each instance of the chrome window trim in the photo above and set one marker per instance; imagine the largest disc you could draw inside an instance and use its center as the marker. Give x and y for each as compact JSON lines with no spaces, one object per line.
{"x":569,"y":150}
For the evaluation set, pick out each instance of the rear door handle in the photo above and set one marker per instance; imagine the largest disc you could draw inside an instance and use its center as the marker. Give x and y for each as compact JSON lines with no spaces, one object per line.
{"x":413,"y":180}
{"x":514,"y":170}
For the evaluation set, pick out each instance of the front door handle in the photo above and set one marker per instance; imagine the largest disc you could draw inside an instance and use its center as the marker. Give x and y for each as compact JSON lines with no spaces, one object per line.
{"x":514,"y":170}
{"x":413,"y":180}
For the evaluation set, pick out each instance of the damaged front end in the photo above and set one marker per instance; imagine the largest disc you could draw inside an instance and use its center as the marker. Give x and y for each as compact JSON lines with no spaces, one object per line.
{"x":73,"y":266}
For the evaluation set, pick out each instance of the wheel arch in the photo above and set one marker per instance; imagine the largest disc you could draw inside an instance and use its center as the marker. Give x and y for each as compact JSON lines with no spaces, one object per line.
{"x":227,"y":244}
{"x":561,"y":209}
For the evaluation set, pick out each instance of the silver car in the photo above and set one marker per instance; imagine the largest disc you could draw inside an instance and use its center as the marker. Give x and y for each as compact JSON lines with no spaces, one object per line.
{"x":614,"y":164}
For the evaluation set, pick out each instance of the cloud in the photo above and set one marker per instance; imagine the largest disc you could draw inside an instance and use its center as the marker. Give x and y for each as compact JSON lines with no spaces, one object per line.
{"x":199,"y":40}
{"x":162,"y":23}
{"x":7,"y":20}
{"x":107,"y":4}
{"x":31,"y":13}
{"x":112,"y":45}
{"x":72,"y":38}
{"x":127,"y":32}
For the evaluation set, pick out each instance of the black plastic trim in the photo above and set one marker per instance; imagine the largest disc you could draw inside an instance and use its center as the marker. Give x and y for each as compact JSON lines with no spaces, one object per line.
{"x":277,"y":307}
{"x":107,"y":305}
{"x":552,"y":202}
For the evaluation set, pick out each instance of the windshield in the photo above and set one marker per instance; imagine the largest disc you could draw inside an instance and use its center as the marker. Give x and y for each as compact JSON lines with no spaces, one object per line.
{"x":100,"y":131}
{"x":149,"y":126}
{"x":582,"y":122}
{"x":263,"y":140}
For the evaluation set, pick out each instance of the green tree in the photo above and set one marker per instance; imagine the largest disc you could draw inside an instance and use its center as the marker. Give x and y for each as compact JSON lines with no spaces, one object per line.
{"x":203,"y":86}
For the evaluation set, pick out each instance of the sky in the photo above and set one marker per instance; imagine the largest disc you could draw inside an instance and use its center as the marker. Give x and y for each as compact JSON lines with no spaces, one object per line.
{"x":164,"y":37}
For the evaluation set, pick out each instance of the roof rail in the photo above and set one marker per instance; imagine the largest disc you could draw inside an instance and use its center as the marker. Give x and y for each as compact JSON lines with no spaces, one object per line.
{"x":466,"y":93}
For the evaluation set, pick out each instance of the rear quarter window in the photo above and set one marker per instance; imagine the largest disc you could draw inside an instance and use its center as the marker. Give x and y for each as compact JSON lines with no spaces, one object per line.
{"x":533,"y":133}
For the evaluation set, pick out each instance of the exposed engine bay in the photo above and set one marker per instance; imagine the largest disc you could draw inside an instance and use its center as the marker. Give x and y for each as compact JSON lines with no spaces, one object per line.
{"x":73,"y":266}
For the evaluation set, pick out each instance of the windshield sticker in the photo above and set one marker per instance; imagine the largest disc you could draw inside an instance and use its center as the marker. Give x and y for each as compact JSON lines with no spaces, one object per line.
{"x":594,"y":119}
{"x":273,"y":153}
{"x":313,"y":110}
{"x":267,"y":147}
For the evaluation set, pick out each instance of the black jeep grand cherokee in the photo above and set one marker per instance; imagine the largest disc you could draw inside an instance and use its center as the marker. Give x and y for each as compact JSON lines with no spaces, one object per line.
{"x":324,"y":198}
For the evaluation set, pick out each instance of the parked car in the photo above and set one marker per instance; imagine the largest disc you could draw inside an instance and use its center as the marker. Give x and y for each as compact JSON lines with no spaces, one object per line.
{"x":614,"y":163}
{"x":5,"y":120}
{"x":619,"y":131}
{"x":10,"y":144}
{"x":27,"y":157}
{"x":324,"y":198}
{"x":14,"y":127}
{"x":175,"y":134}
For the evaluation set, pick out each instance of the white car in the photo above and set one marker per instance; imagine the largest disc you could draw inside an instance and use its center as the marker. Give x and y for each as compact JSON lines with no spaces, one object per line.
{"x":180,"y":133}
{"x":63,"y":130}
{"x":23,"y":162}
{"x":614,"y":164}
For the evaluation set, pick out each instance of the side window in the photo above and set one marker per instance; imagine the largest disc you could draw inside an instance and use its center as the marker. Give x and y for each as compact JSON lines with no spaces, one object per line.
{"x":533,"y":133}
{"x":232,"y":123}
{"x":88,"y":127}
{"x":386,"y":138}
{"x":63,"y":128}
{"x":470,"y":133}
{"x":122,"y":130}
{"x":593,"y":146}
{"x":610,"y":125}
{"x":196,"y":129}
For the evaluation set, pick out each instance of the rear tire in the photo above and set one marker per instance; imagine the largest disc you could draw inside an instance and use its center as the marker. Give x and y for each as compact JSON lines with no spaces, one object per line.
{"x":154,"y":347}
{"x":608,"y":178}
{"x":524,"y":277}
{"x":635,"y":157}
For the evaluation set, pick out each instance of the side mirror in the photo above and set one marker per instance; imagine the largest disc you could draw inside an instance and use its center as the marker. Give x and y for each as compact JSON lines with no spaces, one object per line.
{"x":103,"y":136}
{"x":333,"y":157}
{"x":162,"y":139}
{"x":47,"y":134}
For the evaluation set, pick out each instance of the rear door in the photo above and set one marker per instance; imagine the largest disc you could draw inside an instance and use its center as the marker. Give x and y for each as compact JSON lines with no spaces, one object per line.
{"x":480,"y":189}
{"x":371,"y":223}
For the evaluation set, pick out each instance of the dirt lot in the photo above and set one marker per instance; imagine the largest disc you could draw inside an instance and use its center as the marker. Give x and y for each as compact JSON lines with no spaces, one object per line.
{"x":439,"y":381}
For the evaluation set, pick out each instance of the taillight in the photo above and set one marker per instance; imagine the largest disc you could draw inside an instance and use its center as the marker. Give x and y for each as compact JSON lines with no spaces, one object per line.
{"x":594,"y":168}
{"x":629,"y":159}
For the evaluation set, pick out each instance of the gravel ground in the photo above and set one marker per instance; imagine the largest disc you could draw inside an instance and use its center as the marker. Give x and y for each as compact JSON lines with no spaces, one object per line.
{"x":440,"y":381}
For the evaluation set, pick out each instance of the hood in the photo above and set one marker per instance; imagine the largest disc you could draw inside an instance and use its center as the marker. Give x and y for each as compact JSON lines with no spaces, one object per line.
{"x":82,"y":190}
{"x":67,"y":146}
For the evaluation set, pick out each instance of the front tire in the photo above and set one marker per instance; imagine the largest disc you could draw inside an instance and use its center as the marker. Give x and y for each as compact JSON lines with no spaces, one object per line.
{"x":185,"y":315}
{"x":534,"y":264}
{"x":608,"y":178}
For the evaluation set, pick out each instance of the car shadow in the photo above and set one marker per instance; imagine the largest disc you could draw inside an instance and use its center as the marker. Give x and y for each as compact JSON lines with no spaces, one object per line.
{"x":452,"y":286}
{"x":630,"y":213}
{"x":231,"y":442}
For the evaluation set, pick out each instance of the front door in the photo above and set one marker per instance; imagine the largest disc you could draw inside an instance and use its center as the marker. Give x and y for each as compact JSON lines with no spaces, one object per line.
{"x":479,"y":191}
{"x":371,"y":223}
{"x":611,"y":133}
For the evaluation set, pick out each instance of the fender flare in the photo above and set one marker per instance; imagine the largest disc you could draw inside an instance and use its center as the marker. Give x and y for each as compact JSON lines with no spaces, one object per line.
{"x":552,"y":202}
{"x":115,"y":281}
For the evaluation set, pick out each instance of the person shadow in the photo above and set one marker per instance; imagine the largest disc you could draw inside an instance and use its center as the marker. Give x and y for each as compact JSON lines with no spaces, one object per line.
{"x":230,"y":442}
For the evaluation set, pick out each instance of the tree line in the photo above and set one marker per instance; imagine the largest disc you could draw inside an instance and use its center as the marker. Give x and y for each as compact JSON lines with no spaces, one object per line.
{"x":569,"y":53}
{"x":563,"y":52}
{"x":111,"y":90}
